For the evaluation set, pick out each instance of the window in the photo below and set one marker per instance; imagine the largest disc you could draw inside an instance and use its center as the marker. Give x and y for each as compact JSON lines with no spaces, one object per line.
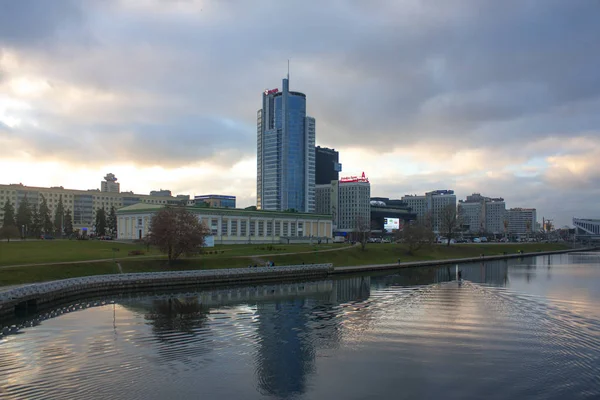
{"x":224,"y":227}
{"x":243,"y":227}
{"x":252,"y":228}
{"x":234,"y":226}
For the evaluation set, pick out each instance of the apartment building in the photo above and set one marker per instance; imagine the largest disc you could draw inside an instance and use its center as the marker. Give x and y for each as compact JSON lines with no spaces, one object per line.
{"x":481,"y":214}
{"x":81,"y":203}
{"x":432,"y":203}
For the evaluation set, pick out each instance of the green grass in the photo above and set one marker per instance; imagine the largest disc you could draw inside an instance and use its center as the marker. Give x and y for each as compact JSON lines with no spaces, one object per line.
{"x":41,"y":273}
{"x":374,"y":254}
{"x":45,"y":251}
{"x":51,"y":251}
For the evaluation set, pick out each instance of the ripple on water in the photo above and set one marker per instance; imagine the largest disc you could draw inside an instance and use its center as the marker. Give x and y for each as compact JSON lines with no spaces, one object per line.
{"x":432,"y":341}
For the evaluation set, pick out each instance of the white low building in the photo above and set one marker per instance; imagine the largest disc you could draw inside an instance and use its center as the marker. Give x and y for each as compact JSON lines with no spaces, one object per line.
{"x":233,"y":226}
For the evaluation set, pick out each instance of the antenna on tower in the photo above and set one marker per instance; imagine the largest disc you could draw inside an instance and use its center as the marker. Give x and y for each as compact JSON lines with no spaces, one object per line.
{"x":288,"y":76}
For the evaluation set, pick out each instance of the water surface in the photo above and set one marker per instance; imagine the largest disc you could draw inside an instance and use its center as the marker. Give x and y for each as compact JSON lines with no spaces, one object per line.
{"x":513,"y":329}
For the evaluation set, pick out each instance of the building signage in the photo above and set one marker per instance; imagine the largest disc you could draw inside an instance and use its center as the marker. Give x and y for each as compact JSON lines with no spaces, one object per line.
{"x":272,"y":91}
{"x":354,"y":179}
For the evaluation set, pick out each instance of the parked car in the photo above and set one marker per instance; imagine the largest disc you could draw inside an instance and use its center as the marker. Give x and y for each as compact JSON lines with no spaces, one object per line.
{"x":47,"y":237}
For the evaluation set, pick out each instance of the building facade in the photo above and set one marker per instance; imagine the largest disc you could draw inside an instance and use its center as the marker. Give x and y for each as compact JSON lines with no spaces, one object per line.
{"x":521,"y":221}
{"x":82,"y":204}
{"x":347,"y":201}
{"x":431,"y":204}
{"x":481,"y":214}
{"x":233,"y":226}
{"x":216,"y":200}
{"x":110,"y":184}
{"x":285,"y":152}
{"x":328,"y":165}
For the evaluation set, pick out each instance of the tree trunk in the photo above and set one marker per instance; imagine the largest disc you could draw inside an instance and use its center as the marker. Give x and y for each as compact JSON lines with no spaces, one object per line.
{"x":448,"y":244}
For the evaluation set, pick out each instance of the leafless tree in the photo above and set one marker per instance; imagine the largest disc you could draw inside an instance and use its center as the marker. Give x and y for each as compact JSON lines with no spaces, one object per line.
{"x":450,"y":222}
{"x":9,"y":232}
{"x":416,"y":235}
{"x":362,"y":231}
{"x":175,"y":230}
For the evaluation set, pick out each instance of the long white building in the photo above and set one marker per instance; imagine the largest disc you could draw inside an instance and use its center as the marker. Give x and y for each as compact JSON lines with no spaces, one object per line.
{"x":231,"y":225}
{"x":82,"y":204}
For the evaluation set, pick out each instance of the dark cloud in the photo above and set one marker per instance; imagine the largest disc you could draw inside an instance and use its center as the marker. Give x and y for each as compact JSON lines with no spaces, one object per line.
{"x":179,"y":82}
{"x":35,"y":22}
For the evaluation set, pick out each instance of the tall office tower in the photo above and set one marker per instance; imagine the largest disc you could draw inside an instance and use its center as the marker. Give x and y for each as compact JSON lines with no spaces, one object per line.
{"x":328,"y":165}
{"x":285,"y":152}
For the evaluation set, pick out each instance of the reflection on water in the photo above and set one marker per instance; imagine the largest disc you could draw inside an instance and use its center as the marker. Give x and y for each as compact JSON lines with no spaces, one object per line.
{"x":525,"y":328}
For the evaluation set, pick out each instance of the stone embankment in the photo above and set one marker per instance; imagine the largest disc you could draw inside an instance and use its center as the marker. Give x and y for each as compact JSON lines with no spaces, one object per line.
{"x":430,"y":263}
{"x":38,"y":295}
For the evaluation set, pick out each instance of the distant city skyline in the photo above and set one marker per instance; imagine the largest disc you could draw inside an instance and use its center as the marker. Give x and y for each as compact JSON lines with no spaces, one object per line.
{"x":494,"y":97}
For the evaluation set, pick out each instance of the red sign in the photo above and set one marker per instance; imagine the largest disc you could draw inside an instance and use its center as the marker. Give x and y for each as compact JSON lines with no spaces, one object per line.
{"x":272,"y":91}
{"x":354,"y":179}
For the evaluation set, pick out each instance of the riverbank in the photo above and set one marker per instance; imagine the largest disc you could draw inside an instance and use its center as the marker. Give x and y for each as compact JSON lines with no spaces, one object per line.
{"x":41,"y":295}
{"x":242,"y":256}
{"x":35,"y":297}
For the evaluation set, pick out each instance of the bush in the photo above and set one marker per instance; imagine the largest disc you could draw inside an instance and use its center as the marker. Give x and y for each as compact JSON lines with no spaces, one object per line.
{"x":136,"y":253}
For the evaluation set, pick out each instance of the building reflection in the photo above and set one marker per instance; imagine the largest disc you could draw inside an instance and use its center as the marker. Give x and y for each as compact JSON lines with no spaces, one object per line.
{"x":293,"y":331}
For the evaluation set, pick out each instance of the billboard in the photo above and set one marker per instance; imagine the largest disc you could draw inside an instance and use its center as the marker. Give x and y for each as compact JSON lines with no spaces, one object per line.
{"x":392,"y":224}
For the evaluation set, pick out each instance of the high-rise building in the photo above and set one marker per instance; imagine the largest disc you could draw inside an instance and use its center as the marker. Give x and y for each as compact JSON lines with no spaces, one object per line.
{"x":483,"y":214}
{"x":285,"y":152}
{"x":347,"y":201}
{"x":521,"y":221}
{"x":110,"y":184}
{"x":431,"y":204}
{"x":328,"y":165}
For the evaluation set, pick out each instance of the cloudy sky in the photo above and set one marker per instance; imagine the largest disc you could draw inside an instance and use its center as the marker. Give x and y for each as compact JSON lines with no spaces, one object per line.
{"x":497,"y":97}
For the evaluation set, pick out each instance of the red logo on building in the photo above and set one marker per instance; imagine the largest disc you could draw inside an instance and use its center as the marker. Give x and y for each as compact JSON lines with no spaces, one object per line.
{"x":272,"y":91}
{"x":354,"y":179}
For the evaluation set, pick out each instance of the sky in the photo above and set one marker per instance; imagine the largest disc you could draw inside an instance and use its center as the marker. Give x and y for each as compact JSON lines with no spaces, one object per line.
{"x":499,"y":98}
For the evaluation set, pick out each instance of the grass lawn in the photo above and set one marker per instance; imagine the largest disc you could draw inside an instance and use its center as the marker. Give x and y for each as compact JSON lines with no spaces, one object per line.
{"x":41,"y":273}
{"x":375,"y":253}
{"x":45,"y":251}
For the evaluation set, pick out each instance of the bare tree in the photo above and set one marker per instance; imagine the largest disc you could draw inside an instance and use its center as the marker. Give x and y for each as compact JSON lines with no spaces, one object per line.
{"x":362,"y":231}
{"x":9,"y":232}
{"x":450,"y":222}
{"x":175,"y":230}
{"x":416,"y":235}
{"x":505,"y":227}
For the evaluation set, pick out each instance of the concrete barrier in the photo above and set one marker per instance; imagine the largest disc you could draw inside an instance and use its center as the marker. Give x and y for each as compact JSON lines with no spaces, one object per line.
{"x":40,"y":294}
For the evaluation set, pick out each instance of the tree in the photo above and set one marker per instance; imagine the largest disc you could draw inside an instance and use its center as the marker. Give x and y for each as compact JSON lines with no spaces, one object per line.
{"x":416,"y":235}
{"x":68,"y":223}
{"x":100,"y":224}
{"x":450,"y":222}
{"x":528,"y":228}
{"x":9,"y":232}
{"x":505,"y":222}
{"x":59,"y":217}
{"x":36,"y":222}
{"x":176,"y":231}
{"x":9,"y":214}
{"x":362,"y":231}
{"x":111,"y":222}
{"x":23,"y":218}
{"x":45,"y":220}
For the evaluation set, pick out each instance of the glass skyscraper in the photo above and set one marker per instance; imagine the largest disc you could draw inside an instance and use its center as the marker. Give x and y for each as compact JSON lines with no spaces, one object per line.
{"x":285,"y":152}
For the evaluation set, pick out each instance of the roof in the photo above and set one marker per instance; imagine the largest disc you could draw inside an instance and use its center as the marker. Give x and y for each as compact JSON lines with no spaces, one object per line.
{"x":144,"y":207}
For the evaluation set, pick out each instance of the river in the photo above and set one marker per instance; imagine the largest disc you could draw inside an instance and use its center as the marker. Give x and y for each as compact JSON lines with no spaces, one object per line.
{"x":515,"y":329}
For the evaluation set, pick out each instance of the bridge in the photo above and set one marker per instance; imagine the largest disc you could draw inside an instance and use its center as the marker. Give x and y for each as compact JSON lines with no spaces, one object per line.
{"x":587,"y":228}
